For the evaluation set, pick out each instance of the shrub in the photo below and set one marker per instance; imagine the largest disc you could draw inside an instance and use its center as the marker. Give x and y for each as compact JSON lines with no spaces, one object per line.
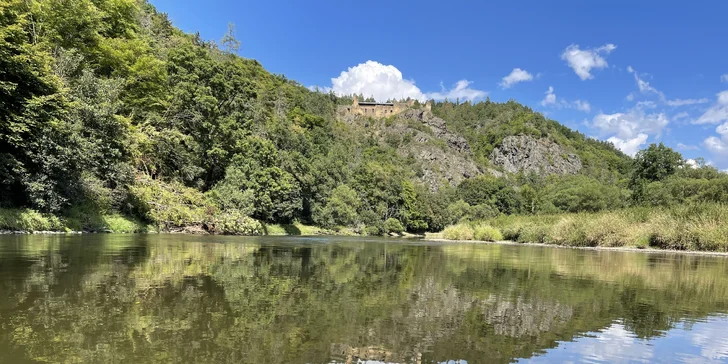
{"x":487,"y":233}
{"x":234,"y":222}
{"x":393,"y":225}
{"x":458,"y":232}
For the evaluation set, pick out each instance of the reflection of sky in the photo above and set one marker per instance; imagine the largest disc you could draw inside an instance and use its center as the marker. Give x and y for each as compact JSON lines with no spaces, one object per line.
{"x":701,"y":342}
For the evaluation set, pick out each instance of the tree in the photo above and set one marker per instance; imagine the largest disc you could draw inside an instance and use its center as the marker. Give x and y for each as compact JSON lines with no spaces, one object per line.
{"x":229,"y":42}
{"x":341,"y":208}
{"x":655,"y":163}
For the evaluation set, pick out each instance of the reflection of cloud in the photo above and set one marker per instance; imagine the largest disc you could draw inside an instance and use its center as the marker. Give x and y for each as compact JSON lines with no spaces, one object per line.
{"x":702,"y":342}
{"x":616,"y":344}
{"x":712,"y":339}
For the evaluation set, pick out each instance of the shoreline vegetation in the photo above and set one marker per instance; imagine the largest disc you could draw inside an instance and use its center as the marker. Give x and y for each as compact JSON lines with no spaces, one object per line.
{"x":693,"y":227}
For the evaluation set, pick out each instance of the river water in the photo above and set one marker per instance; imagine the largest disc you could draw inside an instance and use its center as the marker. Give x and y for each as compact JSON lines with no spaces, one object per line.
{"x":211,"y":299}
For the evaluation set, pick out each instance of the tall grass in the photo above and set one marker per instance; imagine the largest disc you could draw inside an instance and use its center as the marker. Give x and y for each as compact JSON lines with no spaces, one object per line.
{"x":702,"y":227}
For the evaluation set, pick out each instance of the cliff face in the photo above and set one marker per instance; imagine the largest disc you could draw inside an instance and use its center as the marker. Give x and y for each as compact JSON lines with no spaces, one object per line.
{"x":542,"y":156}
{"x":445,"y":157}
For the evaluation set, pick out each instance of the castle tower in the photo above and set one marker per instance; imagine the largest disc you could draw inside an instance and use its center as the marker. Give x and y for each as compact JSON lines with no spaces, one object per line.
{"x":428,"y":105}
{"x":356,"y":102}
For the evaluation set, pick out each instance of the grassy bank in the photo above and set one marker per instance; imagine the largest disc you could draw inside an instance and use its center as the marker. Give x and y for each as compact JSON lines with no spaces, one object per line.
{"x":701,"y":227}
{"x":27,"y":220}
{"x":32,"y":221}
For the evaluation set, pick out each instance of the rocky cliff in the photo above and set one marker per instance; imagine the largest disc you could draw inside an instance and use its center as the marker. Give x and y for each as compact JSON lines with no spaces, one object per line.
{"x":525,"y":153}
{"x":443,"y":156}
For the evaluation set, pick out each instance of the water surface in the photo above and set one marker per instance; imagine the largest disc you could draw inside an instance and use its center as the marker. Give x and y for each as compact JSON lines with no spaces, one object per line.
{"x":209,"y":299}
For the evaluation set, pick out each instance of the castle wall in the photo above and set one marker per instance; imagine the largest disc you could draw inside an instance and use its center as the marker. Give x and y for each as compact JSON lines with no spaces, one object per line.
{"x":378,"y":110}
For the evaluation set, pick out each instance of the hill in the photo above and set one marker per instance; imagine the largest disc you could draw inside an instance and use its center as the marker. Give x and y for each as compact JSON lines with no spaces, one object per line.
{"x":109,"y":110}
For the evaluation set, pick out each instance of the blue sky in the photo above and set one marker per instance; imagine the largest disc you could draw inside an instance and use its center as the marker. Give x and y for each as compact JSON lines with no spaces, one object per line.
{"x":633,"y":72}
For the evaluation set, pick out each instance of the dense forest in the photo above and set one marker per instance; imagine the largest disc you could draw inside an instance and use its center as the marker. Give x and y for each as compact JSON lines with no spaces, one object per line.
{"x":109,"y":115}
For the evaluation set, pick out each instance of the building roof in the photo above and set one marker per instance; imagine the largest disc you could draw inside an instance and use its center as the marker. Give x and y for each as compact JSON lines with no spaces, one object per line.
{"x":365,"y":103}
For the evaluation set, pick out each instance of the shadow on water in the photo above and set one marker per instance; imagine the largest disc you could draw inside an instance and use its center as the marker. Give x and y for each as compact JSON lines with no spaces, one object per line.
{"x":180,"y":298}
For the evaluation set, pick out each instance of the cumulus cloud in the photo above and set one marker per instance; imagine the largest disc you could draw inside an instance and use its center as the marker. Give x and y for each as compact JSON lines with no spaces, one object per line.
{"x":629,"y":146}
{"x":692,"y":163}
{"x":582,"y":61}
{"x":630,"y":124}
{"x":630,"y":130}
{"x":717,"y":113}
{"x":516,"y":76}
{"x":718,"y":145}
{"x":552,"y":101}
{"x":550,"y":98}
{"x":385,"y":82}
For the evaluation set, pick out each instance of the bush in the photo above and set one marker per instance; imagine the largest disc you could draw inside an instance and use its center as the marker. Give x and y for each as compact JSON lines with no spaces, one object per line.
{"x":487,"y":233}
{"x":393,"y":225}
{"x":170,"y":204}
{"x":458,"y":232}
{"x":234,"y":222}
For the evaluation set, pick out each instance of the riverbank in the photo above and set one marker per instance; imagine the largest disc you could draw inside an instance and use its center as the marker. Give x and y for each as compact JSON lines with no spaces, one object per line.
{"x":26,"y":221}
{"x":437,"y":238}
{"x":698,"y":227}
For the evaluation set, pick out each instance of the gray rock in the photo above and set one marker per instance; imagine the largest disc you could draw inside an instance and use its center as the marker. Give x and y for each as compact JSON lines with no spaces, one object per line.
{"x":526,"y":153}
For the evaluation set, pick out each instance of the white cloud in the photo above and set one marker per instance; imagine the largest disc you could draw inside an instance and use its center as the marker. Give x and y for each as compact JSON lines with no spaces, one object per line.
{"x":724,"y":78}
{"x":516,"y":76}
{"x":629,"y":125}
{"x":630,"y":130}
{"x":583,"y":61}
{"x":680,"y":115}
{"x":647,"y":89}
{"x":461,"y":91}
{"x":317,"y":88}
{"x":692,"y":163}
{"x":717,"y":113}
{"x":682,"y":102}
{"x":629,"y":146}
{"x":682,"y":146}
{"x":385,"y":82}
{"x":582,"y":105}
{"x":718,"y":145}
{"x":643,"y":85}
{"x":551,"y":100}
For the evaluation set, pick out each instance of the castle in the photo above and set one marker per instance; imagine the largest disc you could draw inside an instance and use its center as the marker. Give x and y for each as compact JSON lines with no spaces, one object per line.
{"x":379,"y":109}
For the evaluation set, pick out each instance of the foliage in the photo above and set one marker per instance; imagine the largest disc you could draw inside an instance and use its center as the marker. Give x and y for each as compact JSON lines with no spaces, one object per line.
{"x":458,"y":232}
{"x":486,"y":233}
{"x":393,"y":226}
{"x":699,"y":226}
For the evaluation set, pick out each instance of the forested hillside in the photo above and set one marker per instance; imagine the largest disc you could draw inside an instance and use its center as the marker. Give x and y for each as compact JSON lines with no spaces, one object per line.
{"x":108,"y":112}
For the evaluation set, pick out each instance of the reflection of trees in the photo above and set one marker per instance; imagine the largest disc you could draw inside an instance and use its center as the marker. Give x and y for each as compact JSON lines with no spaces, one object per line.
{"x":173,"y":299}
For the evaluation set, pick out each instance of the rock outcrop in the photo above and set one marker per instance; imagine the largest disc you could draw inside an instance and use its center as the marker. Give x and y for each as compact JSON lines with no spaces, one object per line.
{"x":443,"y":157}
{"x":439,"y":128}
{"x":528,"y":154}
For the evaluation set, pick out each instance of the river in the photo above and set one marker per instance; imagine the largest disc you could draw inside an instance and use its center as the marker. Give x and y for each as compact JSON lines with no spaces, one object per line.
{"x":211,"y":299}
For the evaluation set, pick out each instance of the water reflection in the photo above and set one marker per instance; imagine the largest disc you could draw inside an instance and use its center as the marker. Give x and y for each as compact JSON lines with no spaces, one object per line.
{"x":149,"y":298}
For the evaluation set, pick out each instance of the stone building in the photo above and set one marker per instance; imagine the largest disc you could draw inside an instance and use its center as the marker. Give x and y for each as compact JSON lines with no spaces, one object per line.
{"x":379,"y":109}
